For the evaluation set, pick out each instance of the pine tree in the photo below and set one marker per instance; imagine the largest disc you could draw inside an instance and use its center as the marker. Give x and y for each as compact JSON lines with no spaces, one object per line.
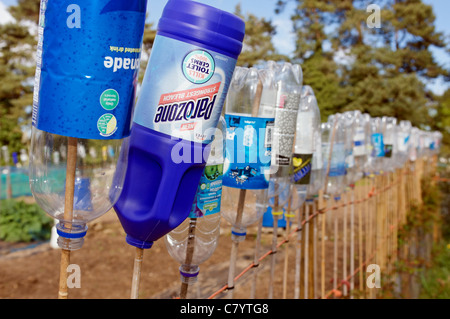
{"x":258,"y":44}
{"x":17,"y":67}
{"x":319,"y":68}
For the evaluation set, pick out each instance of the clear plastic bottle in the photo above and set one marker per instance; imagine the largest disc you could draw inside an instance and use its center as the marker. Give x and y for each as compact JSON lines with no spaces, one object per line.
{"x":307,"y":130}
{"x":317,"y":169}
{"x":83,"y":99}
{"x":333,"y":138}
{"x":403,"y":143}
{"x":348,"y":120}
{"x":360,"y":140}
{"x":288,"y":79}
{"x":377,"y":142}
{"x":390,"y":141}
{"x":369,"y":164}
{"x":195,"y":240}
{"x":250,"y":107}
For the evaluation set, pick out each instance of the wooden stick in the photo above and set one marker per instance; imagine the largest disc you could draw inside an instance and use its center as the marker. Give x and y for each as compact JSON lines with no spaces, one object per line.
{"x":286,"y":251}
{"x":68,"y":212}
{"x":139,"y":255}
{"x":335,"y":260}
{"x":306,"y":254}
{"x":315,"y":247}
{"x":275,"y":210}
{"x":344,"y":248}
{"x":189,"y":254}
{"x":360,"y":235}
{"x":235,"y":244}
{"x":352,"y":242}
{"x":241,"y":202}
{"x":256,"y":260}
{"x":311,"y":254}
{"x":322,"y":260}
{"x":298,"y":255}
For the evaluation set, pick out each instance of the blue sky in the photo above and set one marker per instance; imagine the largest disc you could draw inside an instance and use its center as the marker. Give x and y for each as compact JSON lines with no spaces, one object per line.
{"x":284,"y":41}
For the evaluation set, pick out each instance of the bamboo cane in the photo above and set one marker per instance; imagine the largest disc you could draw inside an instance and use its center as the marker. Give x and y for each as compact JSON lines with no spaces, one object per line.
{"x":190,"y":248}
{"x":68,"y":212}
{"x":298,"y":255}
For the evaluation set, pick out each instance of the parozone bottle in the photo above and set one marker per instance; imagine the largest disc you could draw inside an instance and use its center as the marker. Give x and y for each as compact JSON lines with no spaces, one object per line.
{"x":183,"y":92}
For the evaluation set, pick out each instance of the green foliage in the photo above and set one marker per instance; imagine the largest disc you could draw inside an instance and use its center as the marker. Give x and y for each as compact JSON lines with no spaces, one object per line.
{"x":435,"y":281}
{"x":258,"y":44}
{"x":22,"y":222}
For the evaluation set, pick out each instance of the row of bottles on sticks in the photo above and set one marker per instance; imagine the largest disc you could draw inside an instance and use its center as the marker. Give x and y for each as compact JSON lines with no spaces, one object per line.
{"x":278,"y":155}
{"x":264,"y":151}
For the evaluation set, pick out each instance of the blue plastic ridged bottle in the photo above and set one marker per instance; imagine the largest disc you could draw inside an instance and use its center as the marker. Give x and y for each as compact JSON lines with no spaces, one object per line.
{"x":182,"y":96}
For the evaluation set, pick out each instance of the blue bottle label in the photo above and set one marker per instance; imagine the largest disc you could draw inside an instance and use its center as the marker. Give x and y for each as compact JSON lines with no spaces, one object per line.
{"x":248,"y":152}
{"x":209,"y":193}
{"x":378,"y":145}
{"x":88,"y":60}
{"x":183,"y":90}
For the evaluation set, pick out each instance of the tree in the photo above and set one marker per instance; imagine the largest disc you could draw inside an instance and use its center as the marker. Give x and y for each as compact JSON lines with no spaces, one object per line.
{"x":319,"y":68}
{"x":17,"y":69}
{"x":258,"y":44}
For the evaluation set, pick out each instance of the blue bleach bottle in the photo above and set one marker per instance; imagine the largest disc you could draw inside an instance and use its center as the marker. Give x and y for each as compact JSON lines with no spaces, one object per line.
{"x":184,"y":88}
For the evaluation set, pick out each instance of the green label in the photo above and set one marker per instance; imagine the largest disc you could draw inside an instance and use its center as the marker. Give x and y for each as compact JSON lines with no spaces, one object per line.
{"x":109,"y":99}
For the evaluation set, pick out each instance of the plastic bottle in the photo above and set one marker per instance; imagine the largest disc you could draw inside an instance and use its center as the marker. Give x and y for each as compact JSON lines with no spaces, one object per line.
{"x":182,"y":95}
{"x":86,"y":75}
{"x":250,"y":115}
{"x":360,"y":141}
{"x":195,"y":240}
{"x":336,"y":165}
{"x":348,"y":120}
{"x":403,"y":143}
{"x":390,"y":140}
{"x":368,"y":167}
{"x":288,"y":79}
{"x":308,"y":127}
{"x":377,"y":142}
{"x":317,"y":169}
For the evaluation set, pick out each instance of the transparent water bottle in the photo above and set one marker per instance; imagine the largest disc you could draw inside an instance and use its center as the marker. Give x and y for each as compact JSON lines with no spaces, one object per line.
{"x":195,"y":240}
{"x":403,"y":143}
{"x":390,"y":141}
{"x":307,"y":128}
{"x":369,"y":164}
{"x":288,"y":79}
{"x":334,"y":141}
{"x":83,"y":99}
{"x":360,"y":137}
{"x":348,"y":119}
{"x":377,"y":142}
{"x":250,"y":115}
{"x":317,"y":169}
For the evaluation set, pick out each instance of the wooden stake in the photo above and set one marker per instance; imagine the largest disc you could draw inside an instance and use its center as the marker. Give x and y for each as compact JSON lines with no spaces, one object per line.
{"x":189,"y":254}
{"x":139,"y":255}
{"x":311,"y":256}
{"x":256,"y":260}
{"x":298,"y":255}
{"x":235,"y":244}
{"x":352,"y":242}
{"x":286,"y":251}
{"x":68,"y":212}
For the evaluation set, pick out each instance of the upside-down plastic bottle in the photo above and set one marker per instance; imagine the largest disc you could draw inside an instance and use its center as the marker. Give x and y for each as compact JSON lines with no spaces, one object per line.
{"x":288,"y":79}
{"x":249,"y":113}
{"x":85,"y":84}
{"x":307,"y":130}
{"x":196,"y":239}
{"x":181,"y":99}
